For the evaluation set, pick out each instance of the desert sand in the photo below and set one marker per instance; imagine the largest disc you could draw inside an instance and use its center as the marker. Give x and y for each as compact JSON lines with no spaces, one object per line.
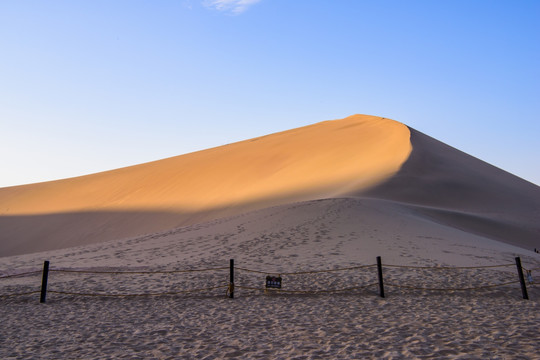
{"x":400,"y":195}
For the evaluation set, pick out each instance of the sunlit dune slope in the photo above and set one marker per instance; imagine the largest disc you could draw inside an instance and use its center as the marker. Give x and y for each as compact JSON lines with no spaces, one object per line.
{"x":320,"y":160}
{"x":323,"y":160}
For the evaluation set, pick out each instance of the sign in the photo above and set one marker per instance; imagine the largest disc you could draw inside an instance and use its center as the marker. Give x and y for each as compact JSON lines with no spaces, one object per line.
{"x":273,"y":282}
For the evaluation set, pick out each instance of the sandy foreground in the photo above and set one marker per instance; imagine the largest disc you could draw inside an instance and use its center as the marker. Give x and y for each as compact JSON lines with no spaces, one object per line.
{"x":494,"y":323}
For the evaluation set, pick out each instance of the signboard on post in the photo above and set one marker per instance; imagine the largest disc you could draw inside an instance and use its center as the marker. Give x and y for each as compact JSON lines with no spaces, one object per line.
{"x":273,"y":282}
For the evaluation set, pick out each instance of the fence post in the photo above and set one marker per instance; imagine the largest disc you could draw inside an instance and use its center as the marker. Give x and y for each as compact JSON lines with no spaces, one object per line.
{"x":231,"y":279}
{"x":521,"y":279}
{"x":44,"y":279}
{"x":379,"y":269}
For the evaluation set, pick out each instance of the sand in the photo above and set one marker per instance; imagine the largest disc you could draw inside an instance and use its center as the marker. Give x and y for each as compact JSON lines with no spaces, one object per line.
{"x":326,"y":234}
{"x":412,"y":215}
{"x":344,"y":327}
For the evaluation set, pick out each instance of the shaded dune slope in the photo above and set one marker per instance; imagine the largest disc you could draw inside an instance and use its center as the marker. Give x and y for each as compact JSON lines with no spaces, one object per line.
{"x":456,"y":189}
{"x":323,"y":160}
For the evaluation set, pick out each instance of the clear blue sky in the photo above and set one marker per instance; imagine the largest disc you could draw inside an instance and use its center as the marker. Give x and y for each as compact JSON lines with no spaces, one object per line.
{"x":87,"y":86}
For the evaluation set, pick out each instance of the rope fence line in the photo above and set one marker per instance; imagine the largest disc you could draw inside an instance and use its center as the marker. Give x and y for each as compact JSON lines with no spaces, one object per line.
{"x":306,"y":291}
{"x":20,"y":294}
{"x":451,"y":289}
{"x":305,"y":272}
{"x":448,"y":267}
{"x":138,"y":295}
{"x":136,"y":272}
{"x":271,"y":286}
{"x":21,"y":274}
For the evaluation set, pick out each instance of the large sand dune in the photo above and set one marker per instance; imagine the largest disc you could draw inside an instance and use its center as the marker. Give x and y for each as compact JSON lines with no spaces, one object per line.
{"x":318,"y":161}
{"x":360,"y":156}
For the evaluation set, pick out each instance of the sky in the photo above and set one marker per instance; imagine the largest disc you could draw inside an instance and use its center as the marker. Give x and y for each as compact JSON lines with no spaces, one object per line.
{"x":89,"y":86}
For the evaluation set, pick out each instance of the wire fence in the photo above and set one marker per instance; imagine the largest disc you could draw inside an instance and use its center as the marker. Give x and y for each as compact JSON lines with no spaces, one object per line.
{"x":20,"y":284}
{"x":218,"y":281}
{"x":451,"y":279}
{"x":353,"y":278}
{"x":137,"y":283}
{"x":115,"y":282}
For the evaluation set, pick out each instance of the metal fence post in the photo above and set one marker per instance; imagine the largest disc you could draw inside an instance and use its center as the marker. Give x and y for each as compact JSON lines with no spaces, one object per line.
{"x":521,"y":279}
{"x":231,"y":279}
{"x":379,"y":269}
{"x":44,"y":279}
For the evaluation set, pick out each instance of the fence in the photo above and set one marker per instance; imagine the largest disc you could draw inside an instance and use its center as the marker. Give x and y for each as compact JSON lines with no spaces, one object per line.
{"x":214,"y":280}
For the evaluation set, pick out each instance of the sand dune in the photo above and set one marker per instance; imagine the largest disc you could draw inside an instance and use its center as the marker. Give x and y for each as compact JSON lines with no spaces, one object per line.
{"x":317,"y":161}
{"x":359,"y":156}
